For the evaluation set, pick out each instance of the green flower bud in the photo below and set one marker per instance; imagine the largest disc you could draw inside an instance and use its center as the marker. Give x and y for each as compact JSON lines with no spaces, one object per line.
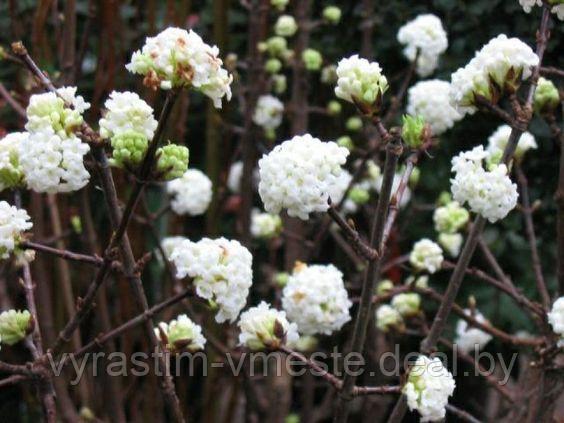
{"x":306,"y":343}
{"x":388,"y":318}
{"x":279,"y":4}
{"x":421,"y":282}
{"x":332,"y":14}
{"x":546,"y":97}
{"x":15,"y":326}
{"x":292,"y":418}
{"x":329,"y":74}
{"x":414,"y":177}
{"x":334,"y":107}
{"x":276,"y":46}
{"x":129,"y":149}
{"x":86,"y":414}
{"x":359,"y":195}
{"x":414,"y":131}
{"x":407,"y":304}
{"x":354,"y":124}
{"x":450,"y":218}
{"x":312,"y":59}
{"x":281,"y":279}
{"x":285,"y":26}
{"x":76,"y":224}
{"x":273,"y":66}
{"x":384,"y":286}
{"x":345,"y":141}
{"x":172,"y":161}
{"x":279,"y":83}
{"x":181,"y":334}
{"x":444,"y":198}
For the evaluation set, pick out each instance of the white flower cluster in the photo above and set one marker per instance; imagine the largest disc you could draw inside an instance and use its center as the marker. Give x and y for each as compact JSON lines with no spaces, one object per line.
{"x":181,"y":334}
{"x":170,"y":243}
{"x":127,"y":112}
{"x":556,"y":319}
{"x":298,"y":174}
{"x":426,"y":255}
{"x":469,"y":338}
{"x":387,"y":317}
{"x":265,"y":225}
{"x":426,"y":35}
{"x":360,"y":81}
{"x":222,"y":272}
{"x":557,"y":7}
{"x":10,"y":172}
{"x":503,"y":61}
{"x":52,"y":156}
{"x":450,"y":218}
{"x":268,"y":112}
{"x":489,"y":193}
{"x":498,"y":141}
{"x":428,"y":387}
{"x":316,"y":299}
{"x":178,"y":58}
{"x":265,"y":327}
{"x":192,"y":193}
{"x":430,"y":100}
{"x":13,"y":222}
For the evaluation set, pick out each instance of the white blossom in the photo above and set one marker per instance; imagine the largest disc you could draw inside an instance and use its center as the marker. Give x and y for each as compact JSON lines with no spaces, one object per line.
{"x":13,"y":222}
{"x":388,"y":317}
{"x":170,"y":243}
{"x":504,"y":61}
{"x":316,"y":299}
{"x":428,"y":387}
{"x":489,"y":193}
{"x":407,"y":304}
{"x":450,"y":218}
{"x":127,"y":112}
{"x":181,"y":334}
{"x":11,"y":174}
{"x":192,"y":193}
{"x":179,"y":58}
{"x":53,"y":164}
{"x":557,"y":9}
{"x":265,"y":327}
{"x":222,"y":272}
{"x":298,"y":174}
{"x":268,"y":112}
{"x":360,"y":80}
{"x":451,"y":243}
{"x":430,"y":100}
{"x":556,"y":318}
{"x":498,"y":141}
{"x":285,"y":26}
{"x":424,"y":34}
{"x":426,"y":255}
{"x":265,"y":225}
{"x":468,"y":338}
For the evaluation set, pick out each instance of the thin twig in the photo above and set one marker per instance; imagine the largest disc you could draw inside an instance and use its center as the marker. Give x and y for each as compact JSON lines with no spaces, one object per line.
{"x":68,"y":255}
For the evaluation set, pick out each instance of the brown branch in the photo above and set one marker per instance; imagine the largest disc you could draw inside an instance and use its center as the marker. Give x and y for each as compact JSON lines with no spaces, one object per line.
{"x":551,"y":71}
{"x":559,"y":198}
{"x":65,"y":254}
{"x":530,"y":231}
{"x":12,"y":101}
{"x":484,"y":104}
{"x":461,"y":414}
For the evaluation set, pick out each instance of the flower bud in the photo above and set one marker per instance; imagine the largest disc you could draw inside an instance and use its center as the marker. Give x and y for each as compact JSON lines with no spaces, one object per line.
{"x":334,"y":107}
{"x":332,"y":14}
{"x":546,"y":97}
{"x":312,"y":59}
{"x":129,"y":149}
{"x":345,"y":141}
{"x":359,"y":195}
{"x":354,"y":124}
{"x":451,"y":243}
{"x":279,"y":84}
{"x":15,"y":326}
{"x":280,"y":5}
{"x":414,"y":177}
{"x":306,"y":343}
{"x":285,"y":26}
{"x":421,"y":282}
{"x":384,"y":286}
{"x":407,"y":304}
{"x":273,"y":66}
{"x":276,"y":46}
{"x":388,"y":318}
{"x":329,"y":74}
{"x":281,"y":279}
{"x":181,"y":334}
{"x":450,"y":218}
{"x":414,"y":131}
{"x":172,"y":161}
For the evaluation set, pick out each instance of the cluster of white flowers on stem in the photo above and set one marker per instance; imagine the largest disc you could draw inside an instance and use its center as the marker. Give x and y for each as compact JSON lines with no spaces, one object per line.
{"x":181,"y":334}
{"x":430,"y":100}
{"x":11,"y":174}
{"x":15,"y":325}
{"x":557,"y":6}
{"x":316,"y":299}
{"x":468,"y":338}
{"x":52,"y":157}
{"x":192,"y":193}
{"x":556,"y":319}
{"x":360,"y":81}
{"x":268,"y":112}
{"x":222,"y":272}
{"x":489,"y":193}
{"x":425,"y":36}
{"x":263,"y":327}
{"x":428,"y":387}
{"x":298,"y":174}
{"x":426,"y":255}
{"x":450,"y":218}
{"x":13,"y":222}
{"x":179,"y":58}
{"x":498,"y":68}
{"x":127,"y":112}
{"x":265,"y":225}
{"x":387,"y":318}
{"x":498,"y":141}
